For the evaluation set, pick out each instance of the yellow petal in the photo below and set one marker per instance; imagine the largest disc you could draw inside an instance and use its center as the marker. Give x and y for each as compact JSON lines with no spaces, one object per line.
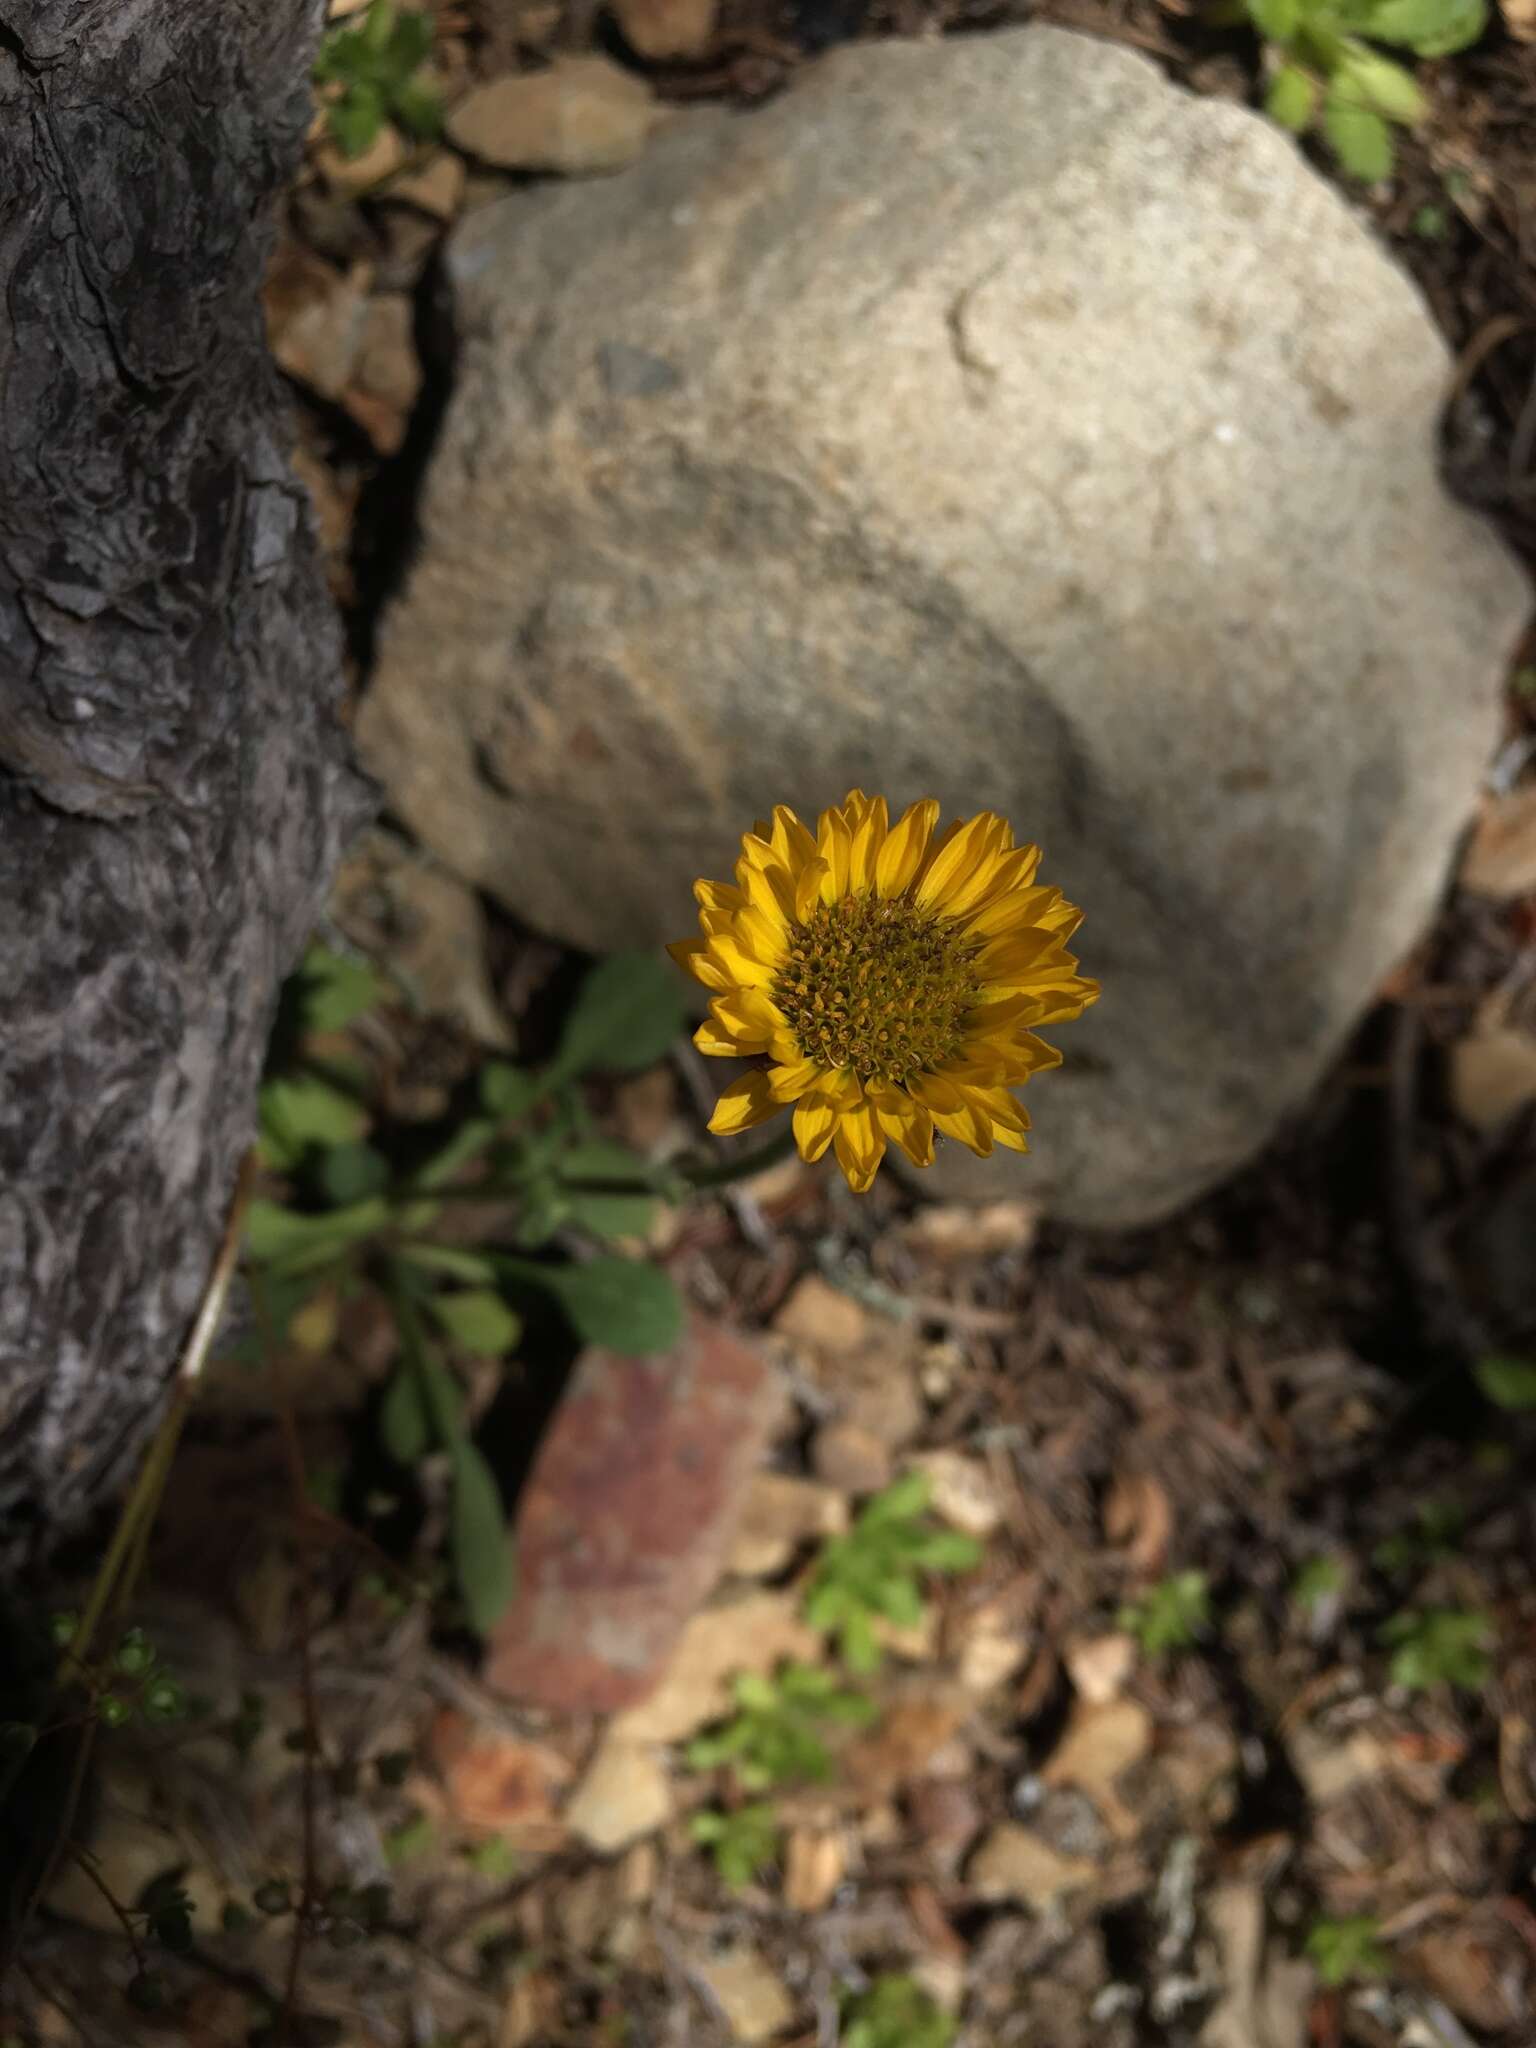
{"x":815,"y":1121}
{"x":1011,"y":911}
{"x":736,"y":965}
{"x":746,"y":1102}
{"x":860,"y":1146}
{"x":971,"y":890}
{"x":790,"y":1082}
{"x":903,"y":1119}
{"x":1014,"y":1140}
{"x":808,"y":888}
{"x":711,"y":1039}
{"x":953,"y":859}
{"x":907,"y":842}
{"x":955,"y":1110}
{"x":767,"y":888}
{"x":763,"y":936}
{"x":749,"y":1013}
{"x":1011,"y":961}
{"x":868,"y":840}
{"x":693,"y":957}
{"x":717,"y":896}
{"x":791,"y":842}
{"x":834,"y":842}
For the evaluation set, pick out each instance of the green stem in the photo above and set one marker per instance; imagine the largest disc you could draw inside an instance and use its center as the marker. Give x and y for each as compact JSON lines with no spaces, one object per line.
{"x":743,"y":1166}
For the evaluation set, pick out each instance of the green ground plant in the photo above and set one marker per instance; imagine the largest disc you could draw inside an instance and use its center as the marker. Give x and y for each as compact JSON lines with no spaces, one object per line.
{"x":877,"y":1570}
{"x":1509,"y":1383}
{"x":1169,"y":1616}
{"x":740,"y":1842}
{"x":370,"y":72}
{"x":363,"y":1200}
{"x":1325,"y":70}
{"x":772,"y":1738}
{"x":895,"y":2012}
{"x":1438,"y":1646}
{"x":1347,"y":1951}
{"x":1433,"y":1536}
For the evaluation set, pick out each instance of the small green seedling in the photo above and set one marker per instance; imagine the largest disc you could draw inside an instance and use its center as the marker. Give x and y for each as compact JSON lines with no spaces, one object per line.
{"x":1438,"y":1646}
{"x":1436,"y":1535}
{"x":877,"y":1569}
{"x":1170,"y":1615}
{"x":741,"y":1843}
{"x":1318,"y":1584}
{"x":771,"y":1739}
{"x":1324,"y":69}
{"x":1347,"y":1951}
{"x":369,"y":72}
{"x":895,"y":2012}
{"x":1509,"y":1383}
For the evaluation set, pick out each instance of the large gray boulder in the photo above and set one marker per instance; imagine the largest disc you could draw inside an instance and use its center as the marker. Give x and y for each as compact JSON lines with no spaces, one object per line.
{"x":985,"y":418}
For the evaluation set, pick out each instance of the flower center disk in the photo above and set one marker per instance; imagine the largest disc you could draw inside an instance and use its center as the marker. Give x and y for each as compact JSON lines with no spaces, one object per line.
{"x":877,"y":985}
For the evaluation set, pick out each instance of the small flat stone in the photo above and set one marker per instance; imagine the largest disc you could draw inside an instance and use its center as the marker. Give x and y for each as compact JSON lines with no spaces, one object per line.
{"x":1013,"y":1863}
{"x":505,"y":1784}
{"x":752,"y":1634}
{"x":625,"y":1794}
{"x":751,"y":1997}
{"x":583,"y":114}
{"x":666,"y":28}
{"x":848,"y":1457}
{"x":962,"y":1491}
{"x":823,"y":1316}
{"x":628,"y":1517}
{"x":781,"y":1513}
{"x":436,"y":189}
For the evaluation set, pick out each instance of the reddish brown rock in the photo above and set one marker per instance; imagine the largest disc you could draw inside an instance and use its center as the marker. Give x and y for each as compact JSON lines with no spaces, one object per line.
{"x":628,"y":1517}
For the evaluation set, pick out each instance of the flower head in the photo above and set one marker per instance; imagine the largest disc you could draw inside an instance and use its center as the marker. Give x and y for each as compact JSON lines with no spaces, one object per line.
{"x":891,"y":978}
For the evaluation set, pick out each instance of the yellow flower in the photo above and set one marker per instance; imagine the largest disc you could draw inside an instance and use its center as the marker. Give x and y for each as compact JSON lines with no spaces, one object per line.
{"x":893,"y":980}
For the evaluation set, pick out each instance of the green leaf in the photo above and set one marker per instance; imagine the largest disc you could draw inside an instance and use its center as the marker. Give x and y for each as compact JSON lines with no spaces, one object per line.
{"x":908,"y":1496}
{"x":377,"y":29}
{"x":948,"y":1550}
{"x":1361,"y":139}
{"x":1380,"y":84}
{"x":859,"y":1644}
{"x":474,"y":1267}
{"x":606,"y":1160}
{"x":900,"y":1602}
{"x":301,"y":1110}
{"x":1275,"y":19}
{"x":405,"y":1428}
{"x":411,"y":43}
{"x":610,"y":1216}
{"x":482,"y":1555}
{"x":1510,"y":1383}
{"x":626,"y":1014}
{"x":294,"y":1242}
{"x":1431,"y":28}
{"x":507,"y":1091}
{"x":620,"y":1303}
{"x":478,"y":1320}
{"x":419,"y":109}
{"x":1291,"y":99}
{"x":444,"y":1399}
{"x":348,"y":1173}
{"x":336,"y":988}
{"x":356,"y":118}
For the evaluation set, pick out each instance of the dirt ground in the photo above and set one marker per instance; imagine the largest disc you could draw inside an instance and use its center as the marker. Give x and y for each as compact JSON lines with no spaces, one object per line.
{"x":1228,"y":1737}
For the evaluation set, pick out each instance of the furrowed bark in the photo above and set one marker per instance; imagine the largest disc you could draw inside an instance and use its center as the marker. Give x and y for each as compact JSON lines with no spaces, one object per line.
{"x":175,"y":788}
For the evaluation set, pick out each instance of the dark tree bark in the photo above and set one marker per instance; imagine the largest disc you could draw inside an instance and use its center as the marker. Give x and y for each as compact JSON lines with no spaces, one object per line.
{"x":174,"y":785}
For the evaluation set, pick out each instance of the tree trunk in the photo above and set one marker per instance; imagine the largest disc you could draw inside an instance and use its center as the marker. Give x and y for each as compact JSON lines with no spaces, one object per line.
{"x":174,"y":785}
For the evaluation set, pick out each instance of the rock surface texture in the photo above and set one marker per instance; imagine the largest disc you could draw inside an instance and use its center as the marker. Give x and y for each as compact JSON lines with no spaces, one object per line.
{"x":985,"y":418}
